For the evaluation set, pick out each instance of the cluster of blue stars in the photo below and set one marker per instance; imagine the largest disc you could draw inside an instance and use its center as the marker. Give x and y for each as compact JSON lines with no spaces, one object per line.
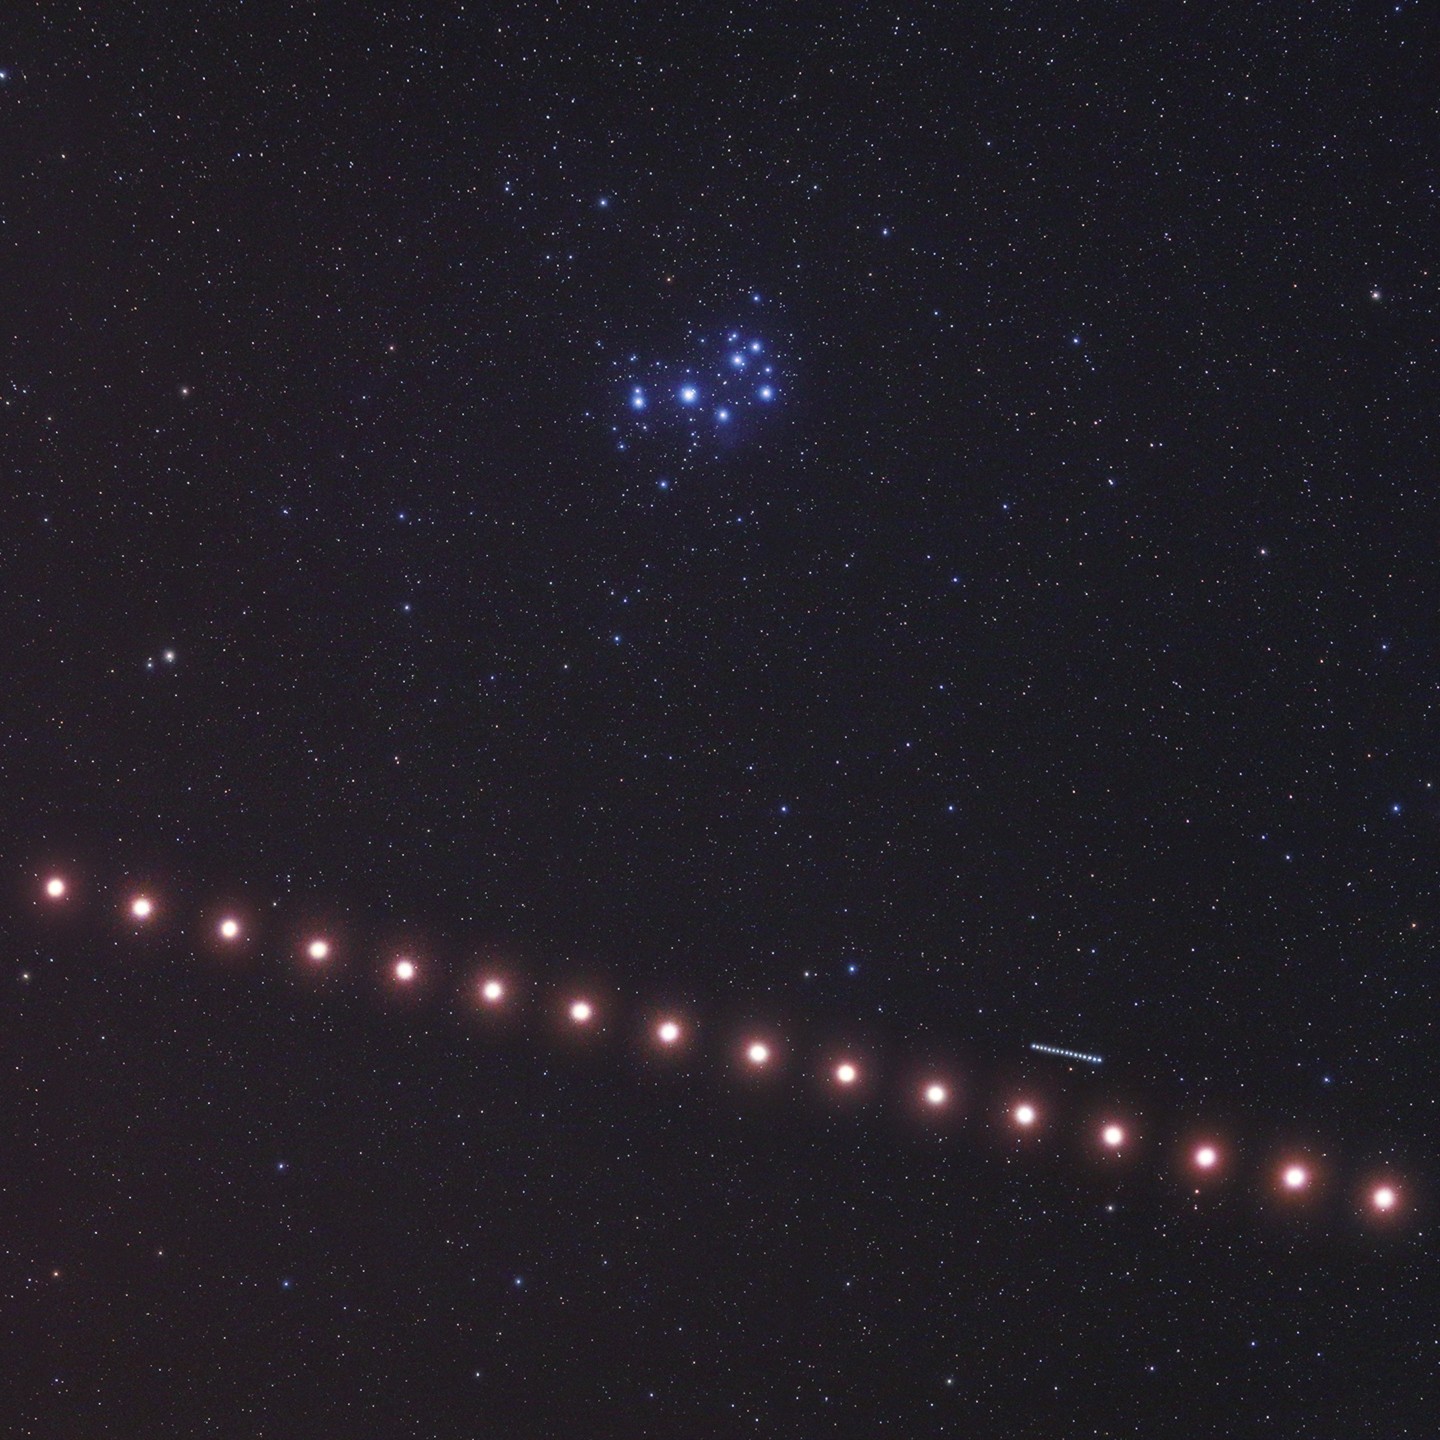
{"x":727,"y":381}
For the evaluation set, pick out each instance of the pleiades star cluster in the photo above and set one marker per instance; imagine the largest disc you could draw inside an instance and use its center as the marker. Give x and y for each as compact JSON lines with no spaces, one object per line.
{"x":717,"y":395}
{"x":718,"y":722}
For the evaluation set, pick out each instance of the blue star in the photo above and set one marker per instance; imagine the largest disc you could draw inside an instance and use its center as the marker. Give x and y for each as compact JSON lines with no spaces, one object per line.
{"x":688,"y":394}
{"x":722,"y":415}
{"x":637,"y":399}
{"x":765,"y":392}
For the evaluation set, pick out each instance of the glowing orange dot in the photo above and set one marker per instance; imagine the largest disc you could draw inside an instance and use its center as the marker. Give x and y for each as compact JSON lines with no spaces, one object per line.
{"x":582,"y":1012}
{"x":846,"y":1073}
{"x":404,"y":971}
{"x":1295,"y":1177}
{"x":758,"y":1053}
{"x":229,"y":928}
{"x":492,"y":992}
{"x":1383,"y":1197}
{"x":318,"y":950}
{"x":936,"y":1094}
{"x":1025,"y":1115}
{"x":1207,"y":1157}
{"x":1113,"y":1136}
{"x":142,"y":907}
{"x":55,"y":887}
{"x":667,"y":1032}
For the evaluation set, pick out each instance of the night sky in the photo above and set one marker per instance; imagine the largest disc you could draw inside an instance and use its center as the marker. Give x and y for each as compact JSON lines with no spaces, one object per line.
{"x":898,"y":534}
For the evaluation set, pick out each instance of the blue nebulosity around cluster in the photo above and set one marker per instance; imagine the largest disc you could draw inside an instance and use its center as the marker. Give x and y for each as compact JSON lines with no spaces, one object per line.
{"x":723,"y":388}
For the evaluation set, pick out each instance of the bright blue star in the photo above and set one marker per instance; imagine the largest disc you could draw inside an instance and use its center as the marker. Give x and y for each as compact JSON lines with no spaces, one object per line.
{"x":754,"y":347}
{"x":637,"y":399}
{"x":688,"y":394}
{"x":722,"y":415}
{"x":766,"y":392}
{"x":738,"y":360}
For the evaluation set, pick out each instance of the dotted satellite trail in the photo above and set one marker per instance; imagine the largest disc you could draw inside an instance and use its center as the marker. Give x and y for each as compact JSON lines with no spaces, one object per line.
{"x":1200,"y":1160}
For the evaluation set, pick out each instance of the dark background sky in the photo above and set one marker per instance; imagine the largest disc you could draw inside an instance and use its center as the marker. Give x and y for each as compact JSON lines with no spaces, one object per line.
{"x":1056,"y":660}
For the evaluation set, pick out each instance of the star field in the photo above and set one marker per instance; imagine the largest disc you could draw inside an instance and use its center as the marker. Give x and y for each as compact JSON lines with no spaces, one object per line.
{"x":719,"y":722}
